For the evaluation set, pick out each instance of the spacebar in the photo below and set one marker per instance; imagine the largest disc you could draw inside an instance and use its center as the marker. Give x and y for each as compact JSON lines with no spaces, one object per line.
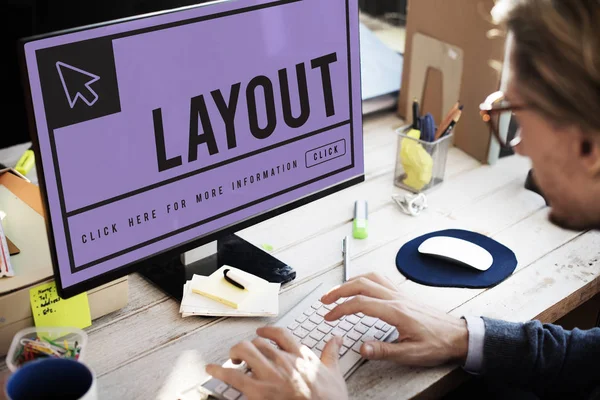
{"x":348,"y":360}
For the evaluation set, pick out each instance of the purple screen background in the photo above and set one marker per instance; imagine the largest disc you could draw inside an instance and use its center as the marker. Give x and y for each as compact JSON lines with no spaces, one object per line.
{"x":106,"y":157}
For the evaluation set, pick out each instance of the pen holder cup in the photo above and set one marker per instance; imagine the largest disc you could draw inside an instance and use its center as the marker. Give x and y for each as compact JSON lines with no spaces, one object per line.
{"x":420,"y":165}
{"x":33,"y":343}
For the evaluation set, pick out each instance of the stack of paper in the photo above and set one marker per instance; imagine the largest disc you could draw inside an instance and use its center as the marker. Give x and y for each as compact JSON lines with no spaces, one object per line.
{"x":214,"y":296}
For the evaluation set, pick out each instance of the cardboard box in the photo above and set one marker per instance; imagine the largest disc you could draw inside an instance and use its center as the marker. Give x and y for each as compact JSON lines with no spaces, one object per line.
{"x":462,"y":25}
{"x":24,"y":225}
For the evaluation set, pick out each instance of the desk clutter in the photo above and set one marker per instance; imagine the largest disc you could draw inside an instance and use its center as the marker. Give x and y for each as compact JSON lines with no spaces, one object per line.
{"x":28,"y":296}
{"x":31,"y":344}
{"x":423,"y":148}
{"x":230,"y":292}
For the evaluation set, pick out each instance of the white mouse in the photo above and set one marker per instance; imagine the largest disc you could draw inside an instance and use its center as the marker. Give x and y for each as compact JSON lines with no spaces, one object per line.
{"x":460,"y":251}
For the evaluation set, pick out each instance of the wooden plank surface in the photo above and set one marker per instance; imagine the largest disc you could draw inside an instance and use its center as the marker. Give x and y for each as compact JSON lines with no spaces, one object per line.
{"x":146,"y":350}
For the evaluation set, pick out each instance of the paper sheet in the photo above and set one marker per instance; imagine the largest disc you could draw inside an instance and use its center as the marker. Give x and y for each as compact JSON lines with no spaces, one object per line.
{"x":262,"y":302}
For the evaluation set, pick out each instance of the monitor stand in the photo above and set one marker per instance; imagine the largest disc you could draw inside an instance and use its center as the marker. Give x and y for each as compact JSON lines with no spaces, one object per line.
{"x":170,"y":273}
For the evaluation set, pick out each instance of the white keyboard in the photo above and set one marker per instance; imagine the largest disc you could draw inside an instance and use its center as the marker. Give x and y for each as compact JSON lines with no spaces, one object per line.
{"x":305,"y":321}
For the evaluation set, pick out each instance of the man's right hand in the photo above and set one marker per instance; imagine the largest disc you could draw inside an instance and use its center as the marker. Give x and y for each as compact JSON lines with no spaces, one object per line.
{"x":427,"y":337}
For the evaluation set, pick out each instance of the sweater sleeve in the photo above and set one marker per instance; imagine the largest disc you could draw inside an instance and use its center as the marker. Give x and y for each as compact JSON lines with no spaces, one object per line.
{"x":543,"y":358}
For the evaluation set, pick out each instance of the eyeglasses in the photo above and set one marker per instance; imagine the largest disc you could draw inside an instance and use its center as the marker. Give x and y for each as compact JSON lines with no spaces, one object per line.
{"x":497,"y":112}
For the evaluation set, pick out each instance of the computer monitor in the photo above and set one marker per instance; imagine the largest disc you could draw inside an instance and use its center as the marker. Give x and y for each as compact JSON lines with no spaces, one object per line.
{"x":161,"y":133}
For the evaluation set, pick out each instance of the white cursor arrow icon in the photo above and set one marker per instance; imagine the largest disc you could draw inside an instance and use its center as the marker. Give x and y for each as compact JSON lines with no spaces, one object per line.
{"x":76,"y":83}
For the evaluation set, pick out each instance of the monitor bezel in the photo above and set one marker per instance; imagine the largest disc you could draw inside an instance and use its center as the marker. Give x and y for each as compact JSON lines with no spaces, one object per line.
{"x":115,"y":274}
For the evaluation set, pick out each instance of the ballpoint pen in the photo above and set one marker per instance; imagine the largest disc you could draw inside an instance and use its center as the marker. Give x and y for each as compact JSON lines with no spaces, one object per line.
{"x":345,"y":251}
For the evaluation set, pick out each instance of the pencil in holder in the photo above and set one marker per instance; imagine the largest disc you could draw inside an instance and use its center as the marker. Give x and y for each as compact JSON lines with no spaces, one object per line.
{"x":420,"y":165}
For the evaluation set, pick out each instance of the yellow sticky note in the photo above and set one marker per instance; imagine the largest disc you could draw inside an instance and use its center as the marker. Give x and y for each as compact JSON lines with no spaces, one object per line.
{"x":49,"y":309}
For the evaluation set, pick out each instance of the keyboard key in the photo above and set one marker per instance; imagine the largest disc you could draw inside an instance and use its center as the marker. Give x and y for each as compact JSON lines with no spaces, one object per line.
{"x":309,"y":312}
{"x":360,"y":315}
{"x":321,"y":345}
{"x":324,"y":328}
{"x":343,"y":350}
{"x":370,"y":335}
{"x":361,"y":328}
{"x":322,"y":311}
{"x":316,"y":319}
{"x":317,"y":352}
{"x":379,"y":324}
{"x":348,"y":342}
{"x":353,"y":319}
{"x":317,"y":305}
{"x":293,"y":326}
{"x":345,"y":326}
{"x":386,"y":327}
{"x":337,"y":332}
{"x":357,"y":346}
{"x":301,"y":332}
{"x":333,"y":323}
{"x":301,"y":318}
{"x":340,"y":300}
{"x":309,"y":326}
{"x":231,"y":394}
{"x":309,"y":342}
{"x":327,"y":337}
{"x":221,"y":388}
{"x":368,"y":321}
{"x":379,"y":335}
{"x":354,"y":335}
{"x":318,"y":335}
{"x":330,"y":306}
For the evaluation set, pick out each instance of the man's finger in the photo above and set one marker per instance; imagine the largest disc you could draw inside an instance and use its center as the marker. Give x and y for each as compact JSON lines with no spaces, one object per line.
{"x":401,"y":353}
{"x":378,"y":278}
{"x":330,"y":355}
{"x":382,"y":309}
{"x":233,"y":377}
{"x":284,"y":339}
{"x":254,"y":359}
{"x":359,"y":286}
{"x":272,"y":353}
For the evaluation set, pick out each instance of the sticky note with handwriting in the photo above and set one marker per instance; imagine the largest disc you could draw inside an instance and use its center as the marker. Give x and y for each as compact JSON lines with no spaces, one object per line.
{"x":49,"y":309}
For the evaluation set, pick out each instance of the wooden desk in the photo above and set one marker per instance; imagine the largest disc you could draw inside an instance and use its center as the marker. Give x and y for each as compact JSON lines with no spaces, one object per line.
{"x":147,"y":350}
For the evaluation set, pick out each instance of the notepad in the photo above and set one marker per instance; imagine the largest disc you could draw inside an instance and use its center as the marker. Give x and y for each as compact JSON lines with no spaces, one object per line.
{"x":261,"y":304}
{"x":214,"y":296}
{"x":217,"y":288}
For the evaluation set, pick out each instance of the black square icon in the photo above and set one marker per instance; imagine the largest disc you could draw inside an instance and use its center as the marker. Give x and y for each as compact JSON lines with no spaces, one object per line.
{"x":78,"y":81}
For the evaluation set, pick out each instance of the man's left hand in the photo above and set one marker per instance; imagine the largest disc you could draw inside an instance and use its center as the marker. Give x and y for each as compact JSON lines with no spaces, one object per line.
{"x":291,"y":371}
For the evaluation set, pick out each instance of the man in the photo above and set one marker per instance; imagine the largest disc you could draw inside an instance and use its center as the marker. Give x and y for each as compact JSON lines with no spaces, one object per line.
{"x":554,"y":93}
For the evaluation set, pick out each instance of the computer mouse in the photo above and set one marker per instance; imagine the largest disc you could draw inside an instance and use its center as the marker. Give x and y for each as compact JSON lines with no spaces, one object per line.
{"x":459,"y":251}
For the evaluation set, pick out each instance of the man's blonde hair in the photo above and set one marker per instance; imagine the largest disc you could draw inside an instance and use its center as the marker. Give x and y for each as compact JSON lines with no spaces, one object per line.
{"x":556,"y":57}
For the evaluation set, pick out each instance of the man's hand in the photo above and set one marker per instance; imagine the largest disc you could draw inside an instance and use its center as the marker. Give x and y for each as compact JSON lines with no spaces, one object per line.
{"x":427,"y":337}
{"x":291,"y":372}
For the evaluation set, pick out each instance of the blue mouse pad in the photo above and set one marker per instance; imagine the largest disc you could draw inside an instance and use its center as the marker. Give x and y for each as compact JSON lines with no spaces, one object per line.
{"x":431,"y":271}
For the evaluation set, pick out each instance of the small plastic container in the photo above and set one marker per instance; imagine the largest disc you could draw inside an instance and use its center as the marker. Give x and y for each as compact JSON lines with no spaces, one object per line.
{"x":420,"y":165}
{"x":33,"y":343}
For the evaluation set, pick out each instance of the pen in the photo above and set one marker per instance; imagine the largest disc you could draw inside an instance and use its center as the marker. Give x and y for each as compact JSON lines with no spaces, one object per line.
{"x":415,"y":114}
{"x":345,"y":250}
{"x":447,"y":120}
{"x":451,"y":126}
{"x":233,"y":278}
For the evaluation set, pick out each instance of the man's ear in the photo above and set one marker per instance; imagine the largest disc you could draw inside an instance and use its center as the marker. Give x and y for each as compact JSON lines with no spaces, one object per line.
{"x":589,"y":152}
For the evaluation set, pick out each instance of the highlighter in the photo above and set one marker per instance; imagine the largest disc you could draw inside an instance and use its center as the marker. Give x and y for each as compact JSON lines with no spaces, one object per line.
{"x":359,"y":225}
{"x":26,"y":162}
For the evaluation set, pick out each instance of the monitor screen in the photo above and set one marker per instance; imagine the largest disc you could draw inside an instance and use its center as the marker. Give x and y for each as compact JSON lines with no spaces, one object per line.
{"x":160,"y":132}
